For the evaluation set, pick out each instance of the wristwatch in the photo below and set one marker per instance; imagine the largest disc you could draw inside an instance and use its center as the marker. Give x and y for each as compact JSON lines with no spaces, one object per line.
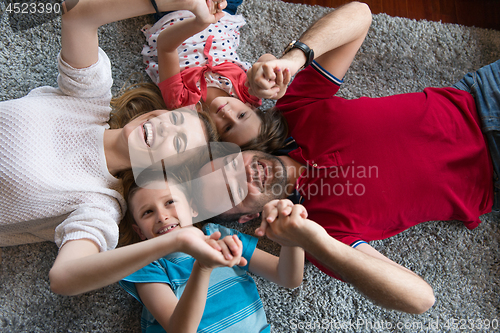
{"x":304,"y":48}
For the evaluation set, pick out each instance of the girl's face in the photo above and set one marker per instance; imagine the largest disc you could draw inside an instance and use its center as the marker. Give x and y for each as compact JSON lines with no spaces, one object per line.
{"x":160,"y":134}
{"x":160,"y":211}
{"x":236,"y":121}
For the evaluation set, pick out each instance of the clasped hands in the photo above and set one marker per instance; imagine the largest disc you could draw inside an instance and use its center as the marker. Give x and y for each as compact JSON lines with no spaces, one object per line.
{"x":269,"y":77}
{"x":284,"y":222}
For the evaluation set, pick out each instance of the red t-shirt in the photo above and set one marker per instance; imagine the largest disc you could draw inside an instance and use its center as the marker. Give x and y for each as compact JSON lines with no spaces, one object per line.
{"x":377,"y":166}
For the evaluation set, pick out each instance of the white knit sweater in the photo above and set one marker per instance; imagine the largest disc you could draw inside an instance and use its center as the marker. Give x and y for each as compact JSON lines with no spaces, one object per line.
{"x":53,"y":173}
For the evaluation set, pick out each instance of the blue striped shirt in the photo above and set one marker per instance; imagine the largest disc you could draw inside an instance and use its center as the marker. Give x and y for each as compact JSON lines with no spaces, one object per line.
{"x":233,"y":303}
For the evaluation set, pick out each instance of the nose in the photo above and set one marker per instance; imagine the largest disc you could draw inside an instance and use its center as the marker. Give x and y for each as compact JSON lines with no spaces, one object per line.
{"x":164,"y":129}
{"x":228,"y":114}
{"x":163,"y":215}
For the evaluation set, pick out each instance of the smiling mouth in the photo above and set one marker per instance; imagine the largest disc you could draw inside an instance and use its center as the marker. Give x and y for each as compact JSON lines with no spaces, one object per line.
{"x":221,"y":107}
{"x":167,"y":229}
{"x":147,"y":129}
{"x":261,"y":173}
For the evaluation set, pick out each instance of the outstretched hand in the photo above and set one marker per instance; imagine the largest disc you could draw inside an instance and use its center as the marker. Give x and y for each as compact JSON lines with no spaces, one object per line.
{"x":269,"y":77}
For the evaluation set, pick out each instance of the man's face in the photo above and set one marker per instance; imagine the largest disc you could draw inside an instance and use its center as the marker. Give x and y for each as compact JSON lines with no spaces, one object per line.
{"x":264,"y":177}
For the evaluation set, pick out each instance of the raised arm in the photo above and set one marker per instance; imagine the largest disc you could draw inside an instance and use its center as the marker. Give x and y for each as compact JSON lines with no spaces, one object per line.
{"x":377,"y":277}
{"x":82,"y":18}
{"x":171,"y":38}
{"x":335,"y":40}
{"x":288,"y":269}
{"x":184,"y":315}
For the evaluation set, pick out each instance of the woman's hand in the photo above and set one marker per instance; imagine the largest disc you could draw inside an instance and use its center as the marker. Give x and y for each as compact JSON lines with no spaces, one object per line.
{"x":208,"y":11}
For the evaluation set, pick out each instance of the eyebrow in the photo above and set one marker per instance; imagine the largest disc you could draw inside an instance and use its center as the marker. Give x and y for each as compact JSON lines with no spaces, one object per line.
{"x":141,"y":208}
{"x":182,"y":117}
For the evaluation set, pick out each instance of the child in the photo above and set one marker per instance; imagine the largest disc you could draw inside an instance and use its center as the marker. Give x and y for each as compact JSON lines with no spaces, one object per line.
{"x":58,"y":174}
{"x":194,"y":62}
{"x":179,"y":292}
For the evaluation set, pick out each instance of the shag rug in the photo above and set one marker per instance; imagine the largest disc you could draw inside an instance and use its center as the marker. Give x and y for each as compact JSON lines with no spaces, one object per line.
{"x":398,"y":56}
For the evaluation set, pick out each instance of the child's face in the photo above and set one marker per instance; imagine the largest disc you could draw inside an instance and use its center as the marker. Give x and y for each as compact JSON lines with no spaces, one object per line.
{"x":160,"y":211}
{"x":236,"y":121}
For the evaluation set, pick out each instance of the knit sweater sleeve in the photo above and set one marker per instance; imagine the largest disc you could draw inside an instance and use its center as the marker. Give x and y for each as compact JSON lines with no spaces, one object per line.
{"x":95,"y":222}
{"x":89,"y":82}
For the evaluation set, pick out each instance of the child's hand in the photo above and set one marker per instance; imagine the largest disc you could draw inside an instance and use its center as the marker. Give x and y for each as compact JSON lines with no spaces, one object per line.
{"x":267,"y":77}
{"x":282,"y":79}
{"x":208,"y":11}
{"x":216,"y":6}
{"x":231,"y":248}
{"x":282,"y":221}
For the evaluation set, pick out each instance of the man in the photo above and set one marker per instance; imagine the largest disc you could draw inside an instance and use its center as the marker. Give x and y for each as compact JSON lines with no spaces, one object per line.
{"x":366,"y":169}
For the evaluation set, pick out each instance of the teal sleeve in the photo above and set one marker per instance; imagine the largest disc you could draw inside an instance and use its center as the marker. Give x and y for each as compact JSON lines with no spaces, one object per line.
{"x":152,"y":273}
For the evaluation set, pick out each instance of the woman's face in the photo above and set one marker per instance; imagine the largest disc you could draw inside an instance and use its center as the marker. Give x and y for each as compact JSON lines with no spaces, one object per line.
{"x":162,"y":134}
{"x":235,"y":121}
{"x":160,"y":210}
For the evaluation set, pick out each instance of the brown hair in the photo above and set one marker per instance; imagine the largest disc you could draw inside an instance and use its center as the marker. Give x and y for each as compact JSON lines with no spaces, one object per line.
{"x":273,"y":132}
{"x":130,"y":187}
{"x":143,"y":97}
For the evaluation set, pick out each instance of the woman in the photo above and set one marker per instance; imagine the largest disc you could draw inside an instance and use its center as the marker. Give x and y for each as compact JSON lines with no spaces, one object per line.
{"x":59,"y":159}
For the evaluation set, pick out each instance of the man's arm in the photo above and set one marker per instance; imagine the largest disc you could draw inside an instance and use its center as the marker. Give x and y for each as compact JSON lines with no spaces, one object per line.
{"x":335,"y":40}
{"x":381,"y":280}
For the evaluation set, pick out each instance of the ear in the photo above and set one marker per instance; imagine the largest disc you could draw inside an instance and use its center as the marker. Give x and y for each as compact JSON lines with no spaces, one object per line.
{"x":138,"y":231}
{"x":248,"y":217}
{"x":194,"y":210}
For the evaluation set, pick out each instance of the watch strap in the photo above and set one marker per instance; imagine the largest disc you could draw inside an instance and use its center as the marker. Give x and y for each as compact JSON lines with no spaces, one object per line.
{"x":309,"y":53}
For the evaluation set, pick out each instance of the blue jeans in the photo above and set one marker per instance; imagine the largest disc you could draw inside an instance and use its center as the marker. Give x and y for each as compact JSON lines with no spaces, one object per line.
{"x":484,"y":85}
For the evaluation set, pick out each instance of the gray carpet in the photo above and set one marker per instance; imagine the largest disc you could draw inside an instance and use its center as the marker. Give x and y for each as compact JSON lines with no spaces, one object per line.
{"x":398,"y":56}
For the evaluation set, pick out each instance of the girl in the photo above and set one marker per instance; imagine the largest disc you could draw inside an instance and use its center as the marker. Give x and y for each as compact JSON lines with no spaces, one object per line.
{"x":180,"y":293}
{"x":193,"y":62}
{"x":59,"y":159}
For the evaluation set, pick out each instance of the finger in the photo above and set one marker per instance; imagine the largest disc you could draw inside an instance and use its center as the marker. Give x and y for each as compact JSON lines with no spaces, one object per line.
{"x":302,"y":211}
{"x":216,"y":235}
{"x":298,"y":212}
{"x":270,"y":211}
{"x":225,"y":250}
{"x":222,"y":5}
{"x":243,"y":262}
{"x":232,"y":244}
{"x":261,"y":231}
{"x":214,"y":244}
{"x":269,"y":73}
{"x":238,"y":246}
{"x":279,"y":77}
{"x":285,"y":207}
{"x":287,"y":76}
{"x":219,"y":15}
